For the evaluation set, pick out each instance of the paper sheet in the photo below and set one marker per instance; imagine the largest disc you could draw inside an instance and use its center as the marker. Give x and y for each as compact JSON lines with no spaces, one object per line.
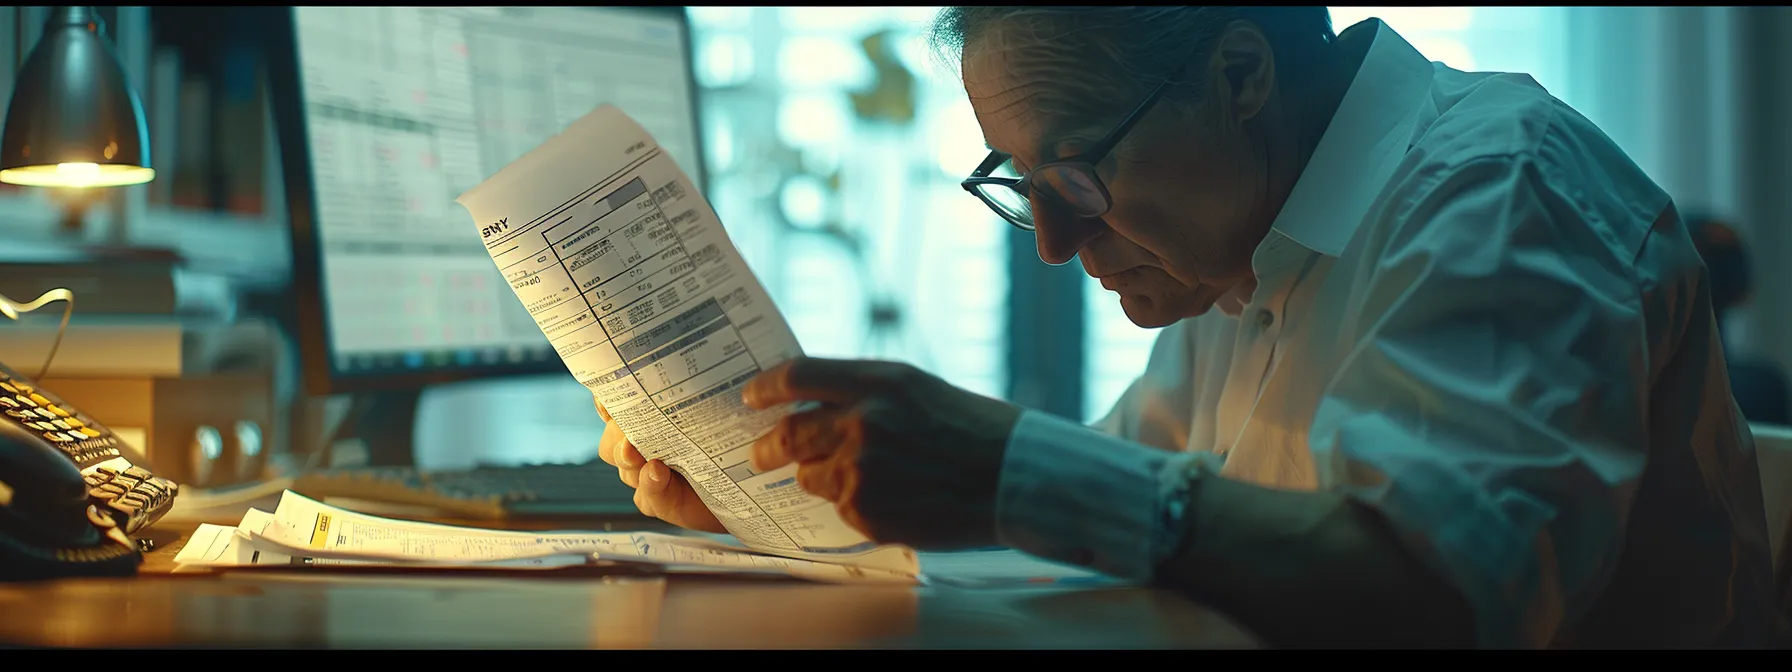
{"x":213,"y":546}
{"x":325,"y":531}
{"x":1004,"y":567}
{"x":629,"y":273}
{"x":303,"y":532}
{"x":320,"y":534}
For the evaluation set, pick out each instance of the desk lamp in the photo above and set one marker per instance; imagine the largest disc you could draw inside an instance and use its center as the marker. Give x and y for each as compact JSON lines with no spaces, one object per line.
{"x":74,"y":120}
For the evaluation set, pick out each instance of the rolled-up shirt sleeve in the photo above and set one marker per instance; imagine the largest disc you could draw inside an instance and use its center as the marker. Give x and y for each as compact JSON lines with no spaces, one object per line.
{"x":1493,"y":403}
{"x":1072,"y":494}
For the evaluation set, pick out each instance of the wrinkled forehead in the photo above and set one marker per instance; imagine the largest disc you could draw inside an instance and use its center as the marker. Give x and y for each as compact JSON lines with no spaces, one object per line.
{"x":1019,"y":95}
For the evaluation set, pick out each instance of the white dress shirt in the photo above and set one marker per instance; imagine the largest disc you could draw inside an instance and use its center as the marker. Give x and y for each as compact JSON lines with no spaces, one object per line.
{"x":1476,"y":315}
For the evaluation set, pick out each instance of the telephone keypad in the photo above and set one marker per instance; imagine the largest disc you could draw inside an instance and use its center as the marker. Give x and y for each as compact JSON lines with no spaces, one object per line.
{"x":67,"y":430}
{"x":132,"y":497}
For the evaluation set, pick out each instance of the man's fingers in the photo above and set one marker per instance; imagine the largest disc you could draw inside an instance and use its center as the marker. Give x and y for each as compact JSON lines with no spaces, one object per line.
{"x":688,"y":510}
{"x":667,"y":496}
{"x":850,"y":515}
{"x":653,"y":478}
{"x":649,"y":492}
{"x":644,"y":501}
{"x":801,"y":437}
{"x":629,"y":456}
{"x":630,"y":477}
{"x":616,"y":450}
{"x":829,"y":479}
{"x":600,"y":410}
{"x":607,"y":444}
{"x":833,"y":381}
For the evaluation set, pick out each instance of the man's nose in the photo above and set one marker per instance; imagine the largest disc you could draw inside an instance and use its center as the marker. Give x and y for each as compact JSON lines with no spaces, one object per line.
{"x":1061,"y":236}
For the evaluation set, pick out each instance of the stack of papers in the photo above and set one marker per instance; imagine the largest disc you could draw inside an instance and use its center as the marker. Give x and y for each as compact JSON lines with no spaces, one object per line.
{"x":305,"y":532}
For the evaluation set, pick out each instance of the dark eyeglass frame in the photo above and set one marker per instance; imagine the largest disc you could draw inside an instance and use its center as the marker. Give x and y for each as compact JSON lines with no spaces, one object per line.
{"x":1084,"y":163}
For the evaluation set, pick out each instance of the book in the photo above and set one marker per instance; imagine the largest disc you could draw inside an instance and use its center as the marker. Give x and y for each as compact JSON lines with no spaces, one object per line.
{"x":105,"y":346}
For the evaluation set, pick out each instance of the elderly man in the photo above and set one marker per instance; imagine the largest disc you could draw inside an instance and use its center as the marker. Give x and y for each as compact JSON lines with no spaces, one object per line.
{"x":1463,"y":385}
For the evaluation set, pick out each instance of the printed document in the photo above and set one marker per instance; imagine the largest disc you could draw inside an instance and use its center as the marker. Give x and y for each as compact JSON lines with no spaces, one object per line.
{"x":629,"y":273}
{"x":220,"y":546}
{"x":314,"y":529}
{"x":213,"y":546}
{"x":303,"y":531}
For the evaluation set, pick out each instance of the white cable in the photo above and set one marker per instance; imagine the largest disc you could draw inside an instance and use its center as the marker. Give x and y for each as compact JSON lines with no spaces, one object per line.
{"x":196,"y":503}
{"x":13,"y":309}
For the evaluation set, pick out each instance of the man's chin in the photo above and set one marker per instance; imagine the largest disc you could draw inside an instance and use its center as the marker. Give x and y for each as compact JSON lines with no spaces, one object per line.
{"x":1152,"y":312}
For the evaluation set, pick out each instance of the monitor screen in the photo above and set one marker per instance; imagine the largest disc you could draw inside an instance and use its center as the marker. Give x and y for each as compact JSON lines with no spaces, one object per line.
{"x":405,"y":108}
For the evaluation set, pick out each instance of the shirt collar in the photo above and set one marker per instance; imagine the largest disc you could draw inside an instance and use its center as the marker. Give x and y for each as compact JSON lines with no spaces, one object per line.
{"x":1365,"y":142}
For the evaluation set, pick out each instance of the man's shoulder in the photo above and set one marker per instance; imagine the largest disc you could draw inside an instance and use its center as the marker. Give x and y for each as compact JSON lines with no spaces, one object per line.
{"x":1489,"y":115}
{"x":1533,"y":141}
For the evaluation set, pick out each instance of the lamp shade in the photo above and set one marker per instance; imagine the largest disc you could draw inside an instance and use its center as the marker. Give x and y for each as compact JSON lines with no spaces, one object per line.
{"x":74,"y":120}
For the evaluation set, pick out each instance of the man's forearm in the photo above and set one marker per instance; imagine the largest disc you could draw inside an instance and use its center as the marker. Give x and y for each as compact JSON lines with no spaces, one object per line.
{"x":1310,"y":569}
{"x":1300,"y":568}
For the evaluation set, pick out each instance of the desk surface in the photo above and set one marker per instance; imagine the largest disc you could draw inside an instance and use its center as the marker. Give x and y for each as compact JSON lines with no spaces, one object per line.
{"x":330,"y":608}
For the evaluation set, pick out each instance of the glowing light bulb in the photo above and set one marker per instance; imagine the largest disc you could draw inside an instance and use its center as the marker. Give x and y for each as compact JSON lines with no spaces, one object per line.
{"x":77,"y":175}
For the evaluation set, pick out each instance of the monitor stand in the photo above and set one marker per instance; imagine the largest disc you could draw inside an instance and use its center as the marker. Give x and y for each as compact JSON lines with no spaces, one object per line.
{"x":385,"y":424}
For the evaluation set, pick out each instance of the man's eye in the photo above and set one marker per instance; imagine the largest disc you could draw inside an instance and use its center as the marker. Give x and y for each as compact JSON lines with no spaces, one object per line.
{"x":1069,"y":149}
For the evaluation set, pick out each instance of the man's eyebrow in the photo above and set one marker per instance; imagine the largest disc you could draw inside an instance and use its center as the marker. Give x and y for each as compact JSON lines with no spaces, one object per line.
{"x":1061,"y":132}
{"x":1047,"y":149}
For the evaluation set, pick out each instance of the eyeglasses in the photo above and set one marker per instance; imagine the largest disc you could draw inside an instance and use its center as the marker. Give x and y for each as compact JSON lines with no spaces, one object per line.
{"x":1069,"y":183}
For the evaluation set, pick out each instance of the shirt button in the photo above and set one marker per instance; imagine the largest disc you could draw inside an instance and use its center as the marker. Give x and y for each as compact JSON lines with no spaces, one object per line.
{"x":1265,"y":318}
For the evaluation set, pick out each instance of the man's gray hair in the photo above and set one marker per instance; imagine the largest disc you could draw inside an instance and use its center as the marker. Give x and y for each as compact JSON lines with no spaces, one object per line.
{"x":1104,"y":57}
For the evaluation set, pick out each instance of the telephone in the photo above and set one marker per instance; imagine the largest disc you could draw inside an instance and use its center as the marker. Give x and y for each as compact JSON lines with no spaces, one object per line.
{"x":70,"y":491}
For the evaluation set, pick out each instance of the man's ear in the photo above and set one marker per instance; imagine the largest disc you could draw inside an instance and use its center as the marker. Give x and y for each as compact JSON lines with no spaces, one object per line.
{"x":1244,"y":62}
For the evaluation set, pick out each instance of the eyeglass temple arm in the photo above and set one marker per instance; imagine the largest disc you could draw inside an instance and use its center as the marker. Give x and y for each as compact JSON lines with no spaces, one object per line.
{"x":995,"y":158}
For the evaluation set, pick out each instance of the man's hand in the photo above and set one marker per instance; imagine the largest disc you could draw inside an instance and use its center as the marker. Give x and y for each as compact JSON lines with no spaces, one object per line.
{"x":904,"y":456}
{"x":659,"y":491}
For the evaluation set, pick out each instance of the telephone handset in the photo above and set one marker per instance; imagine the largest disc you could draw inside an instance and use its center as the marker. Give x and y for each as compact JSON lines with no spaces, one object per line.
{"x":70,"y":491}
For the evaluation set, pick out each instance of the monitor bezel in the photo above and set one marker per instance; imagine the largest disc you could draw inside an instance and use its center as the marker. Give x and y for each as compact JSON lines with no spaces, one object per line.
{"x":311,"y":328}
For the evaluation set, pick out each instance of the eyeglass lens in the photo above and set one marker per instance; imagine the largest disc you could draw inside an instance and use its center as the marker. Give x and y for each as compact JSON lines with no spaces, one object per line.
{"x":1069,"y":185}
{"x":1008,"y":203}
{"x":1074,"y":186}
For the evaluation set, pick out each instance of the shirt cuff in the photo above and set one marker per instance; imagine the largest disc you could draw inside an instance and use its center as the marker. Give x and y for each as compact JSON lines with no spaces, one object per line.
{"x":1071,"y":494}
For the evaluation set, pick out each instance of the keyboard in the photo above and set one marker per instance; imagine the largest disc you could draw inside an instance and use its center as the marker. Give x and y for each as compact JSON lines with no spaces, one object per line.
{"x":542,"y":490}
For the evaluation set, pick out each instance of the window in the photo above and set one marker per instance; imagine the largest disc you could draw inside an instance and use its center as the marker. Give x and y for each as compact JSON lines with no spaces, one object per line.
{"x":835,"y":148}
{"x":1506,"y":39}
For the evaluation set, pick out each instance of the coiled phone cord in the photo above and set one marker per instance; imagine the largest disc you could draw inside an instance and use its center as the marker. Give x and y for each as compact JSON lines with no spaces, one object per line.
{"x":22,"y":560}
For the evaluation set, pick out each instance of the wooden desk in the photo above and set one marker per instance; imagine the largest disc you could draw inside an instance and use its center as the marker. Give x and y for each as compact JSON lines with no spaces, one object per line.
{"x":334,"y":609}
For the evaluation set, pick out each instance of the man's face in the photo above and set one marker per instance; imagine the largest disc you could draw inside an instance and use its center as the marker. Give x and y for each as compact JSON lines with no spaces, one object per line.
{"x":1188,"y":191}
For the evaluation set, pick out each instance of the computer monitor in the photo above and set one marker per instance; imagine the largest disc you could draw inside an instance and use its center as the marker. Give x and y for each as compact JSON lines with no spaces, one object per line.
{"x":386,"y":114}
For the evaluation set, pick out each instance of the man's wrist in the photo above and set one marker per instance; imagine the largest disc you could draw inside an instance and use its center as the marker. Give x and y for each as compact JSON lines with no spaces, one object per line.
{"x":1072,"y":494}
{"x":998,"y":436}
